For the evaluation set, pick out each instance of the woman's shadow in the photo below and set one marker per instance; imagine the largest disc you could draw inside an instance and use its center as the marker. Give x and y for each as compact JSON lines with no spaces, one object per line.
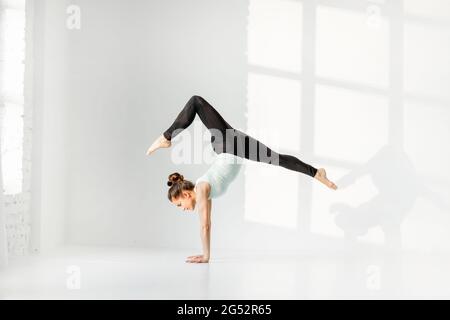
{"x":398,"y":186}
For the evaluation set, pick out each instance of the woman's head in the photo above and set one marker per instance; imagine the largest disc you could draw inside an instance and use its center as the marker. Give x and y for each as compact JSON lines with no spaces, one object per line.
{"x":181,"y":192}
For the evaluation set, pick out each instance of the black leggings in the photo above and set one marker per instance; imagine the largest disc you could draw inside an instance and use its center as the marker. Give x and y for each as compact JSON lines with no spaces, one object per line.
{"x":225,"y":138}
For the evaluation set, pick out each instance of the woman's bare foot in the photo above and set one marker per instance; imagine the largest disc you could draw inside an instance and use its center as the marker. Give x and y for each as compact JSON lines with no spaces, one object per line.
{"x":160,"y":142}
{"x":321,"y":175}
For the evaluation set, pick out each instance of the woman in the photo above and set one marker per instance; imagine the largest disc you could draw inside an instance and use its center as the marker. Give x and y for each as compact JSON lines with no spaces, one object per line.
{"x":229,"y":144}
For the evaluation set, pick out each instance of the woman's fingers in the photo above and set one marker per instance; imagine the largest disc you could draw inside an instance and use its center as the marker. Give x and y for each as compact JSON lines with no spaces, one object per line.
{"x":196,"y":259}
{"x":195,"y":256}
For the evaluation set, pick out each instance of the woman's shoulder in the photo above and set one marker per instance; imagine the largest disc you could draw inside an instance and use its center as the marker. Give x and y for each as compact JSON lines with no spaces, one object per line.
{"x":203,"y":186}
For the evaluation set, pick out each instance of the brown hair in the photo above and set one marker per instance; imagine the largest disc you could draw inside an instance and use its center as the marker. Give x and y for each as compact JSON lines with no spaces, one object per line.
{"x":177,"y":185}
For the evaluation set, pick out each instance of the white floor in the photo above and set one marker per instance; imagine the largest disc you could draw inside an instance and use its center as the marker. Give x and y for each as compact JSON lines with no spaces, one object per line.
{"x":107,"y":273}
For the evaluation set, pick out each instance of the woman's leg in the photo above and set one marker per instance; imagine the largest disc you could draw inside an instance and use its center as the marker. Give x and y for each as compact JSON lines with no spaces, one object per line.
{"x":245,"y":146}
{"x":230,"y":140}
{"x":208,"y":115}
{"x":197,"y":105}
{"x":225,"y":138}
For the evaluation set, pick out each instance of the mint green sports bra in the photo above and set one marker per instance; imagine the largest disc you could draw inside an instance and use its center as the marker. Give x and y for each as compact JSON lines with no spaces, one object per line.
{"x":222,"y":172}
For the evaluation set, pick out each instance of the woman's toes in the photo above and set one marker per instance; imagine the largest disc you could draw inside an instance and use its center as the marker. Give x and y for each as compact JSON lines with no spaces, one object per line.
{"x":161,"y":142}
{"x":322,"y":177}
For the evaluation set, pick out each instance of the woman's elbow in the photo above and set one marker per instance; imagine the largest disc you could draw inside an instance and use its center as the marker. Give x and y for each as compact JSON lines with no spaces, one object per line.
{"x":206,"y":227}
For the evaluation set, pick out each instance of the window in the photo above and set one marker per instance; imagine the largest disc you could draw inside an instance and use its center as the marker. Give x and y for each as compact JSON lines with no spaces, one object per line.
{"x":15,"y":125}
{"x":12,"y":57}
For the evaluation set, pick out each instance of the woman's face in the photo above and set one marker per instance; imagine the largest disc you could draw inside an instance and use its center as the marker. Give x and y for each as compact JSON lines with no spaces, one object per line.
{"x":186,"y":201}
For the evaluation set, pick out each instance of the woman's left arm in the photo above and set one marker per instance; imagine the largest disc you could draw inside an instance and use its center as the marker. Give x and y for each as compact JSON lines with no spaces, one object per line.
{"x":204,"y":210}
{"x":205,"y":230}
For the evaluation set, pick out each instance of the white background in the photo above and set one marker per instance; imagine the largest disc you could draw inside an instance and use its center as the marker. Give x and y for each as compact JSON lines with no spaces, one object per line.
{"x":330,"y":82}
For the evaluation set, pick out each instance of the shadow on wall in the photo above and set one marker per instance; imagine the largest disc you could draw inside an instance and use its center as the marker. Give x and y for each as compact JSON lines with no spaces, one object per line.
{"x":398,"y":186}
{"x":347,"y":77}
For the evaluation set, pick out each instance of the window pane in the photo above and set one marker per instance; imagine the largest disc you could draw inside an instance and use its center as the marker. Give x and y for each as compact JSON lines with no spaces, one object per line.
{"x":12,"y":140}
{"x":12,"y":56}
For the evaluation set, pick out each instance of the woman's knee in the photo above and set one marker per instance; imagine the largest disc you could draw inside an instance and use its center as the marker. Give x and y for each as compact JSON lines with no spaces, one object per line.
{"x":195,"y":101}
{"x":196,"y":98}
{"x":198,"y":102}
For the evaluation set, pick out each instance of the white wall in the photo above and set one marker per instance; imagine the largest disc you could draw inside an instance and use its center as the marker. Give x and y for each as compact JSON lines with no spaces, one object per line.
{"x":366,"y":98}
{"x":49,"y":170}
{"x":133,"y":65}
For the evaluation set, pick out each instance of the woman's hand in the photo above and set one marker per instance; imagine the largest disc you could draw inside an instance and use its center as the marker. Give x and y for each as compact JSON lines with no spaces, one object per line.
{"x":197,"y":259}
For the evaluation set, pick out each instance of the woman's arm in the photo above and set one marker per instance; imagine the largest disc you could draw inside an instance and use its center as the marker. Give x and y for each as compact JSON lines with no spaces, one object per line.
{"x":205,"y":229}
{"x":204,"y":209}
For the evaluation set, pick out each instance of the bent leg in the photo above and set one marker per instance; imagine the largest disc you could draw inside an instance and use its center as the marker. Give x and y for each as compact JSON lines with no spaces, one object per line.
{"x":208,"y":115}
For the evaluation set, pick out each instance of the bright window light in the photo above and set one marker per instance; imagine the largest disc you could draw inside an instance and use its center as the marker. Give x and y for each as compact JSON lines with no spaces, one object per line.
{"x":12,"y":56}
{"x":275,"y":34}
{"x":267,"y":96}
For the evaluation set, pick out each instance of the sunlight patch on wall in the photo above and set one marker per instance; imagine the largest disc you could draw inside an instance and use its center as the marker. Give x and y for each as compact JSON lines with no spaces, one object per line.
{"x":349,"y":50}
{"x":361,"y":130}
{"x":427,"y":135}
{"x":429,"y":8}
{"x":426,"y":60}
{"x":275,"y":34}
{"x":427,"y":224}
{"x":273,"y":117}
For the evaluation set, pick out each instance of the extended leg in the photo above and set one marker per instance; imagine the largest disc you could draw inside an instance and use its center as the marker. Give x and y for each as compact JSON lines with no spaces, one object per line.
{"x":245,"y":146}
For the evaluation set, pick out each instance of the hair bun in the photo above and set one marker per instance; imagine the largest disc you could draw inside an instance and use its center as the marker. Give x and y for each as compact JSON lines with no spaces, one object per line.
{"x":175,"y":178}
